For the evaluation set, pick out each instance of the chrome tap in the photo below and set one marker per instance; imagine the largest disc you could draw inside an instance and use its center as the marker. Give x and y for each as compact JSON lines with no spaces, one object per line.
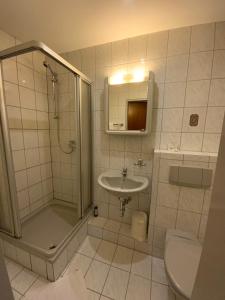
{"x":140,"y":163}
{"x":124,"y":172}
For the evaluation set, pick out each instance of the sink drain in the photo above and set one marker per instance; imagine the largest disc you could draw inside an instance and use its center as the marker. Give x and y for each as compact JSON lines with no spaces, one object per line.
{"x":52,"y":247}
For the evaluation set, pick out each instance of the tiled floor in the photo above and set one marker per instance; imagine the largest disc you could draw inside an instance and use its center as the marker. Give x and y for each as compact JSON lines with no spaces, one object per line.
{"x":110,"y":272}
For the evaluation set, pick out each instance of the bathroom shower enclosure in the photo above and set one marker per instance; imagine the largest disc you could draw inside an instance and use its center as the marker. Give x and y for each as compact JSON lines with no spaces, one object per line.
{"x":45,"y":150}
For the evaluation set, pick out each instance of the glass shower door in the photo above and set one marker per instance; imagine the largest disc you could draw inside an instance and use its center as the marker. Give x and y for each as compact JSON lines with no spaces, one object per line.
{"x":9,"y":216}
{"x":85,"y":141}
{"x":45,"y":146}
{"x":64,"y":136}
{"x":6,"y":223}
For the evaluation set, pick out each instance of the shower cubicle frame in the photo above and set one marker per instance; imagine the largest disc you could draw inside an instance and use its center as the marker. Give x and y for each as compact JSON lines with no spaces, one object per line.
{"x":79,"y":76}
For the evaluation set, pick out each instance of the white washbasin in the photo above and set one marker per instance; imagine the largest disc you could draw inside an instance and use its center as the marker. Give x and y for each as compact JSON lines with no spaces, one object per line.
{"x":115,"y":183}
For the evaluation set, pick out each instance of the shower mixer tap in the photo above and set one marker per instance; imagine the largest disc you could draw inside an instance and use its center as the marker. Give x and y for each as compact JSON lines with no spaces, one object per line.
{"x":140,"y":163}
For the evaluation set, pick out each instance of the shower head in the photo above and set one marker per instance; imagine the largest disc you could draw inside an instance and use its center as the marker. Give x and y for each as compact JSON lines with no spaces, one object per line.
{"x":54,"y":75}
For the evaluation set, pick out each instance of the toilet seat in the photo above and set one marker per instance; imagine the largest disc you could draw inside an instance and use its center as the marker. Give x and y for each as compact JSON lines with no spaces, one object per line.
{"x":182,"y":256}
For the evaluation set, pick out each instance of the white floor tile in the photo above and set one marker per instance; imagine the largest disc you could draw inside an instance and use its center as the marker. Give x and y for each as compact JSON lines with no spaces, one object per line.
{"x":13,"y":269}
{"x":89,"y":246}
{"x":23,"y":281}
{"x":70,"y":286}
{"x":79,"y":262}
{"x":123,"y":258}
{"x":116,"y":284}
{"x":96,"y":276}
{"x":98,"y":222}
{"x":126,"y":241}
{"x":161,"y":292}
{"x":141,"y":264}
{"x":138,"y":288}
{"x":158,"y":271}
{"x":95,"y":231}
{"x":112,"y":226}
{"x":125,"y":229}
{"x":36,"y":288}
{"x":110,"y":236}
{"x":93,"y":296}
{"x":106,"y":252}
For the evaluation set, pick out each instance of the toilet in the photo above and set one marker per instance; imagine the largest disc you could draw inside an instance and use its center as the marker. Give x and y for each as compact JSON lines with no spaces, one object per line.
{"x":181,"y":257}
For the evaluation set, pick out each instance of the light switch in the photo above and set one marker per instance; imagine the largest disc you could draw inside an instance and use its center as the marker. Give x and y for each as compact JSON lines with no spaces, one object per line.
{"x":194,"y":120}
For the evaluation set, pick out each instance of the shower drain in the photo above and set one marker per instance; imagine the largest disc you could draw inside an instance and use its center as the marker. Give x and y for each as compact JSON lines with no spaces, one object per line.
{"x":53,"y":246}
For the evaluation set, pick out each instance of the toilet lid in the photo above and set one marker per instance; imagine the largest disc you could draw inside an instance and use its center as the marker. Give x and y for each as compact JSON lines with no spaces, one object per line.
{"x":181,"y":263}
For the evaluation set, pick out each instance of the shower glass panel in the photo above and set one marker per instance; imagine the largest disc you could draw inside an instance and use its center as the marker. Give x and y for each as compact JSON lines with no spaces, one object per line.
{"x":48,"y":110}
{"x":85,"y":115}
{"x":25,"y":90}
{"x":64,"y":135}
{"x":5,"y":208}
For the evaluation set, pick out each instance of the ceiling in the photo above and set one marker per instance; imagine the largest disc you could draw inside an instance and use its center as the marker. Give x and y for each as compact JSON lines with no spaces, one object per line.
{"x":66,"y":25}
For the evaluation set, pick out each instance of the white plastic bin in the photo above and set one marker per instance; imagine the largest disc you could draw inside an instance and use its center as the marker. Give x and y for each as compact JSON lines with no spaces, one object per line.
{"x":139,"y":225}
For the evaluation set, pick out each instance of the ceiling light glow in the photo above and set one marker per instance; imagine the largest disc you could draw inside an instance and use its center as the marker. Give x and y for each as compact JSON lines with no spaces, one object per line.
{"x":137,"y":75}
{"x":117,"y":78}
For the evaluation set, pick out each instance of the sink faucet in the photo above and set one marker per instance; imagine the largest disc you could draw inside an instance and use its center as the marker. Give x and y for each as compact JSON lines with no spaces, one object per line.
{"x":124,"y":172}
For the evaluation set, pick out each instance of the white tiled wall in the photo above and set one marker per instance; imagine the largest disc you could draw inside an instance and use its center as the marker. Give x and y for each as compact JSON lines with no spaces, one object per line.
{"x":189,"y":68}
{"x":174,"y":206}
{"x":25,"y":89}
